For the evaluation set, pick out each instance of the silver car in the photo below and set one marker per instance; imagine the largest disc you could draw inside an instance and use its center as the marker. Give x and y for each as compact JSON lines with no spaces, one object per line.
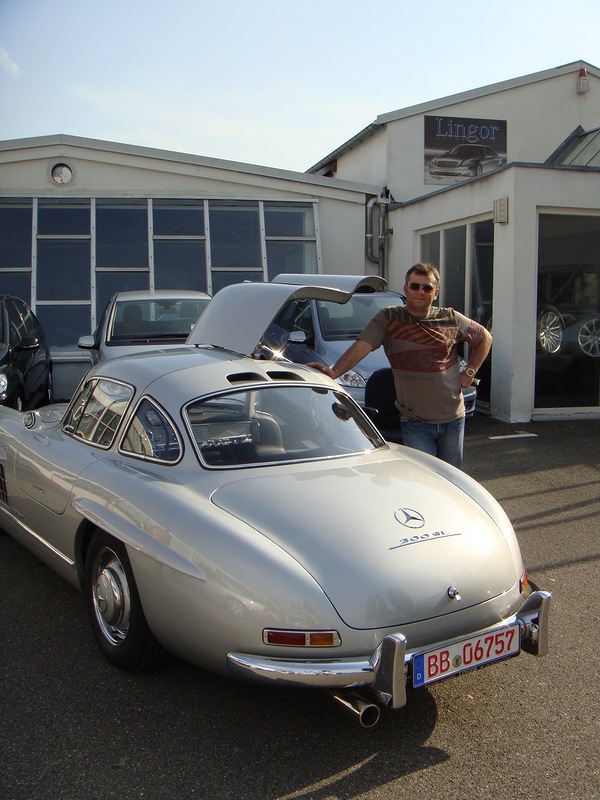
{"x":245,"y":515}
{"x":144,"y":320}
{"x":466,"y":161}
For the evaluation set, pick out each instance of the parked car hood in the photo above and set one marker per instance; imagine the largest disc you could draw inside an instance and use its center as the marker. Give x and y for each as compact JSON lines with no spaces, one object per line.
{"x":238,"y":316}
{"x":375,"y":570}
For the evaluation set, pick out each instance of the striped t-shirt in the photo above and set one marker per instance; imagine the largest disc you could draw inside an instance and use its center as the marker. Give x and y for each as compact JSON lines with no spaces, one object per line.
{"x":424,"y":361}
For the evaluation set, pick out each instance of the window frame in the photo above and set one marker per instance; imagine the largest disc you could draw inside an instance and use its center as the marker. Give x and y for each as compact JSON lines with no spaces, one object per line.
{"x":166,"y":419}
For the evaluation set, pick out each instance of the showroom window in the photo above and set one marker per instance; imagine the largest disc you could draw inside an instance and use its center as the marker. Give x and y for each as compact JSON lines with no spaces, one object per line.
{"x":455,"y":255}
{"x":179,"y":245}
{"x":236,"y":244}
{"x":62,"y":282}
{"x":290,"y":237}
{"x":67,"y":257}
{"x":430,"y":248}
{"x":464,"y":254}
{"x":16,"y":221}
{"x":568,"y":312}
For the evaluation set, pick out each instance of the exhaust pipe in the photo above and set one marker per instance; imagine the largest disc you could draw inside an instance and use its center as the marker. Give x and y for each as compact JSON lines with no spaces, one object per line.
{"x":368,"y":713}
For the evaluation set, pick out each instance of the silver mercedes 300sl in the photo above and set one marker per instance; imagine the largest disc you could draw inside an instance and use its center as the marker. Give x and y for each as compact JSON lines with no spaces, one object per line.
{"x":245,"y":514}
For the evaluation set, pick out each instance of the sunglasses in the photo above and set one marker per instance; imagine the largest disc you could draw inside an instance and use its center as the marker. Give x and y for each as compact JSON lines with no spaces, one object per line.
{"x":427,"y":287}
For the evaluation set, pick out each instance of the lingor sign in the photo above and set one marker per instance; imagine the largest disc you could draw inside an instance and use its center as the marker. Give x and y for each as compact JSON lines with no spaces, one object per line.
{"x":461,"y":148}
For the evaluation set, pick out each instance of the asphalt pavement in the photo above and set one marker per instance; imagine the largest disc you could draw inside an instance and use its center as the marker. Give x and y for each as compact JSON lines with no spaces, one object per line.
{"x":73,"y":727}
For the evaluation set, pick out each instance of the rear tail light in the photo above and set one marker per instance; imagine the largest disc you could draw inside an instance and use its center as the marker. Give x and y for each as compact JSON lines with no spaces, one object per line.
{"x":301,"y":638}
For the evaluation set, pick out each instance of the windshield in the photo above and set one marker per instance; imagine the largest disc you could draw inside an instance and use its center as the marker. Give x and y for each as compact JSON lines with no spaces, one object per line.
{"x":155,"y":319}
{"x":278,"y":423}
{"x":466,"y":151}
{"x":347,"y":320}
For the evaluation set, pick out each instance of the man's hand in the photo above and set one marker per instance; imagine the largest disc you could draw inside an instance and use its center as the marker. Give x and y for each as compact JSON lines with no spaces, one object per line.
{"x":322,"y":368}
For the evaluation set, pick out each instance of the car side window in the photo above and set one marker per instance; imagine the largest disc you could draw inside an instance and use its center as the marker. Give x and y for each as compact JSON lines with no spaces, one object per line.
{"x":151,"y":435}
{"x":285,"y":319}
{"x":96,"y":412}
{"x":303,"y":320}
{"x":29,"y":323}
{"x":16,"y":323}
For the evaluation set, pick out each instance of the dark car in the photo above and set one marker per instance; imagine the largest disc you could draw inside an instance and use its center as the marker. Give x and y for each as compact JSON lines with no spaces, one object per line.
{"x":465,"y":161}
{"x":25,"y":364}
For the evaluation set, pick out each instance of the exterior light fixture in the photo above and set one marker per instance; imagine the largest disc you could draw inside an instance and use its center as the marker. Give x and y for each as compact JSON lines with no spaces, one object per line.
{"x":583,"y":82}
{"x":500,"y":210}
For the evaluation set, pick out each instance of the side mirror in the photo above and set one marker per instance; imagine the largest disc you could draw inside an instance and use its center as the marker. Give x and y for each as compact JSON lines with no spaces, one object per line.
{"x":28,"y":343}
{"x":297,"y":337}
{"x":86,"y":343}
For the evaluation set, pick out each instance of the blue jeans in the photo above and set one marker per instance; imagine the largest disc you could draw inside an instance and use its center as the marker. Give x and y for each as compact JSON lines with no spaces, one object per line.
{"x":445,"y":441}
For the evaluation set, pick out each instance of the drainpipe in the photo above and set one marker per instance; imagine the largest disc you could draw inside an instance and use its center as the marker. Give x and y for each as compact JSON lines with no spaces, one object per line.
{"x":377,"y":255}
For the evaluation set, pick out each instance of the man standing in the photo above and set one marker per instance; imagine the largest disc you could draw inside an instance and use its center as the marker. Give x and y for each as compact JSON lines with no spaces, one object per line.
{"x":420,"y":342}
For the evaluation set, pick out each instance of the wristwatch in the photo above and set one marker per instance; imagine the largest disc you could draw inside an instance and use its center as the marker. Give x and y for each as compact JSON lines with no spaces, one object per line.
{"x":471,"y":372}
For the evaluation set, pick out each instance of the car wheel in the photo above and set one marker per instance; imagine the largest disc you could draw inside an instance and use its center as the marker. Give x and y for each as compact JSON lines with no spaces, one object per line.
{"x":589,"y":338}
{"x":550,"y":329}
{"x":114,"y":607}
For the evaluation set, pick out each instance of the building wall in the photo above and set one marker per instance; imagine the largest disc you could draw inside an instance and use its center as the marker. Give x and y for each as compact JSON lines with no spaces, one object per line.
{"x":539,"y":114}
{"x":529,"y":191}
{"x":102,"y":170}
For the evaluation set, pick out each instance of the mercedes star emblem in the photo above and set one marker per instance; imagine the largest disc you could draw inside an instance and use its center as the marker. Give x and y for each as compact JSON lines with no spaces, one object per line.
{"x":409,"y":517}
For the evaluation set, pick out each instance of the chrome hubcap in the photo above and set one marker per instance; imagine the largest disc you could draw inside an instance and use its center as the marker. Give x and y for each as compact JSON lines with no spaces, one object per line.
{"x":111,"y":597}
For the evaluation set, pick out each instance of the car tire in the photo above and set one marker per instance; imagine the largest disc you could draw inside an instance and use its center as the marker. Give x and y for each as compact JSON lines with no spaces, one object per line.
{"x":115,"y":609}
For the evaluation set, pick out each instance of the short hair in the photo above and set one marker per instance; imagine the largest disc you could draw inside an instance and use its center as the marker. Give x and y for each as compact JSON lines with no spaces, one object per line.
{"x":424,"y":269}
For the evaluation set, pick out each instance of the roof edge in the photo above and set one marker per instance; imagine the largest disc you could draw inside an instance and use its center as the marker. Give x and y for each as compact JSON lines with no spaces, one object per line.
{"x":383,"y":119}
{"x":141,"y":151}
{"x":492,"y":88}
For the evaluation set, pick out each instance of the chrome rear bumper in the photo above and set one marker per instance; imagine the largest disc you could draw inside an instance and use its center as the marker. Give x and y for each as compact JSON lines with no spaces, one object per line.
{"x":385,"y":672}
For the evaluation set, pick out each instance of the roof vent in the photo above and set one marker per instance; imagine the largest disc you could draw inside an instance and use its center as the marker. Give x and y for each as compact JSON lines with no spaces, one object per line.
{"x":245,"y":377}
{"x":283,"y":375}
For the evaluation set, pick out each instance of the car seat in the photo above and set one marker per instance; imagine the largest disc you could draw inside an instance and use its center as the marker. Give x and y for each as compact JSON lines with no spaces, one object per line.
{"x":380,"y":403}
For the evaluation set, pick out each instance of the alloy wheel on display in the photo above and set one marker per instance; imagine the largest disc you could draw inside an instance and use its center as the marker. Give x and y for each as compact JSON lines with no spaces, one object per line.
{"x":550,"y":330}
{"x":589,"y":338}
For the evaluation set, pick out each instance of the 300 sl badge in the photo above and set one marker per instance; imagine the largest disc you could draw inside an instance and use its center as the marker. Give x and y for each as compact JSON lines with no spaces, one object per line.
{"x":424,"y":537}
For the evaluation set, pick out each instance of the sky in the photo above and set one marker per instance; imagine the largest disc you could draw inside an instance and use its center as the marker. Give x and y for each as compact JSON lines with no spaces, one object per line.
{"x":267,"y":82}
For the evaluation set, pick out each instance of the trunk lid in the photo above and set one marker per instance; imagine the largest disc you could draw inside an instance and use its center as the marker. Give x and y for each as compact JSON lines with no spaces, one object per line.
{"x":386,"y":556}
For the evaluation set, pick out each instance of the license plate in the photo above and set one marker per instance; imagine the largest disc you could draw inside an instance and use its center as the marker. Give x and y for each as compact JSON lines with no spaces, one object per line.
{"x":435,"y":665}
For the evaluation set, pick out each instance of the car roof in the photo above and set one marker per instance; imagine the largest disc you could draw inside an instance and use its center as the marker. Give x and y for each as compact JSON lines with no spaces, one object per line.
{"x":160,"y":294}
{"x":238,"y":316}
{"x":179,"y":374}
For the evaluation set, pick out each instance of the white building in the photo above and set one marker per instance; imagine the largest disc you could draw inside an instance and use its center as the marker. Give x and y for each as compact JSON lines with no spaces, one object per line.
{"x":500,"y":188}
{"x":81,"y":219}
{"x":513,"y":223}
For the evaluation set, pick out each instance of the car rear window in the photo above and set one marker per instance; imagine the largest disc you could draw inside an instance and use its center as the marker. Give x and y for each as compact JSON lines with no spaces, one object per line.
{"x":277,"y":424}
{"x":170,"y":319}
